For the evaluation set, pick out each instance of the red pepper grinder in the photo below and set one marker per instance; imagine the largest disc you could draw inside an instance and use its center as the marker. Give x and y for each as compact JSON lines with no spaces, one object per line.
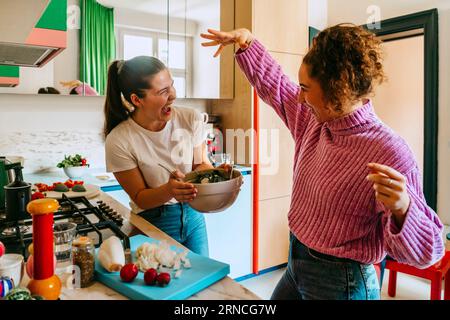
{"x":44,"y":283}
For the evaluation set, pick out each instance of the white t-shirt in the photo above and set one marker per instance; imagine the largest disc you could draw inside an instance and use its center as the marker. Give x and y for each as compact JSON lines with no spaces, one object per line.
{"x":130,"y":146}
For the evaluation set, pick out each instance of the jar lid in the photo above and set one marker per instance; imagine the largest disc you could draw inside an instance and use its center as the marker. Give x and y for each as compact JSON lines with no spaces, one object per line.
{"x":82,"y":242}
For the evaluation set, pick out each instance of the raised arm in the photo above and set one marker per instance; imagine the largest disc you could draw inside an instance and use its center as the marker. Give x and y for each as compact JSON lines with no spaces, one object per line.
{"x":265,"y":75}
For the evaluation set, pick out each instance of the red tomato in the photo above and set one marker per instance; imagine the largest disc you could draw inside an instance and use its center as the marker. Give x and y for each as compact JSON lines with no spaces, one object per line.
{"x":69,"y":183}
{"x":163,"y":279}
{"x":78,"y":182}
{"x":42,"y":187}
{"x":37,"y":195}
{"x":2,"y":249}
{"x":83,"y":162}
{"x":150,"y":277}
{"x":129,"y":272}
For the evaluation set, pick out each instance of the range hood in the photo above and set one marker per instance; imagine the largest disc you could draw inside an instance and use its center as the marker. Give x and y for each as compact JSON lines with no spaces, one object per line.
{"x":32,"y":32}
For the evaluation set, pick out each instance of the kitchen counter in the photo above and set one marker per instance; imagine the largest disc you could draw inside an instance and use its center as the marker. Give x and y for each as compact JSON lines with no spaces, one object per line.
{"x":95,"y":176}
{"x":98,"y":177}
{"x":225,"y":289}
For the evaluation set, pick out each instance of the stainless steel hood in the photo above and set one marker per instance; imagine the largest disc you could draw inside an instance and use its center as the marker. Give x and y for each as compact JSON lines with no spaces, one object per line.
{"x":21,"y":42}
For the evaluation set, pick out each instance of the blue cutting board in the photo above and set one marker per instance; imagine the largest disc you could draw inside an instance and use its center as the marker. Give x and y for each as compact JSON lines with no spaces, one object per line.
{"x":203,"y":273}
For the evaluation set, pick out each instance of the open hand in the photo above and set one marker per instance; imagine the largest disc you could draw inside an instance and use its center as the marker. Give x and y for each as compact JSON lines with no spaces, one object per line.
{"x":242,"y":37}
{"x":390,"y":188}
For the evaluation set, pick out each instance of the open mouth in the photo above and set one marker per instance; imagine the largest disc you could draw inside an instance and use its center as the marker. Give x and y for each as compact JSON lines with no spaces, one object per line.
{"x":167,"y":109}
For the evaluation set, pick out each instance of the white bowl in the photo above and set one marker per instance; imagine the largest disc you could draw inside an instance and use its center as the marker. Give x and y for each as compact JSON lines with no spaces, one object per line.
{"x":11,"y":265}
{"x":75,"y":172}
{"x":215,"y":197}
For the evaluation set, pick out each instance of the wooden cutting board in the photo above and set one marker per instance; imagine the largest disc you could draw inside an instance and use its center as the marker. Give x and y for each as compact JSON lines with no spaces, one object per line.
{"x":91,"y":192}
{"x":203,"y":273}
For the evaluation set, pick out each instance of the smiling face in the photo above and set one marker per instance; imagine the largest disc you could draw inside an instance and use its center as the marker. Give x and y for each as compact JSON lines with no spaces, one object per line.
{"x":155,"y":108}
{"x":311,"y":95}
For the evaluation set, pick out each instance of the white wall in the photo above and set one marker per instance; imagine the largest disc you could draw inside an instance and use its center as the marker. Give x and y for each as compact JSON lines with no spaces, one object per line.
{"x":356,"y":12}
{"x":318,"y":14}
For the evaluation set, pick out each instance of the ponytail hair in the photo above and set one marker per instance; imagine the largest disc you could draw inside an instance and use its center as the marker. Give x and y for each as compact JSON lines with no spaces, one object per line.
{"x":124,"y":79}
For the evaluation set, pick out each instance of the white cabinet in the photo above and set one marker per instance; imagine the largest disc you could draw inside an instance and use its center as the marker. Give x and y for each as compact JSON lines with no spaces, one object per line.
{"x":121,"y":196}
{"x":230,"y":233}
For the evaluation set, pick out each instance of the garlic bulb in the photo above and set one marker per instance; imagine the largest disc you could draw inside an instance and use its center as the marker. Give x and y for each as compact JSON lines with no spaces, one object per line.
{"x":111,"y":254}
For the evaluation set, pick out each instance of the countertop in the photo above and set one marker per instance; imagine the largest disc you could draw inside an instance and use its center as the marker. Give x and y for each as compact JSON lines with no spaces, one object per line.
{"x":98,"y":177}
{"x":225,"y":289}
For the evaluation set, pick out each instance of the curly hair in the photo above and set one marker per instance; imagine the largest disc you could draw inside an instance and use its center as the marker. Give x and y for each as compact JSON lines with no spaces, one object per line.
{"x":346,"y":60}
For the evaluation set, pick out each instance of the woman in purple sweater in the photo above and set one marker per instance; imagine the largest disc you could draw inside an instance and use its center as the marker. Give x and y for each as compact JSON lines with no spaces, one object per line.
{"x":357,"y":190}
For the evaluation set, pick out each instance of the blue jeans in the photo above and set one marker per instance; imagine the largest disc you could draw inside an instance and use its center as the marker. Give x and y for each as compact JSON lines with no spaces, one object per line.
{"x":311,"y":275}
{"x":182,"y":223}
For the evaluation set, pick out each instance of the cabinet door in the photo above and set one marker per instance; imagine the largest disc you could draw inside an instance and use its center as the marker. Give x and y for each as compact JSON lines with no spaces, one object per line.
{"x":179,"y":47}
{"x":273,"y":232}
{"x":121,"y":196}
{"x":276,"y":145}
{"x":141,"y":28}
{"x":282,"y":25}
{"x":205,"y":76}
{"x":230,"y":235}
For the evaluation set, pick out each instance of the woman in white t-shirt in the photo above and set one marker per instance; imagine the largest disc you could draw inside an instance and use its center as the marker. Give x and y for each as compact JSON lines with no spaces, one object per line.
{"x":143,"y":129}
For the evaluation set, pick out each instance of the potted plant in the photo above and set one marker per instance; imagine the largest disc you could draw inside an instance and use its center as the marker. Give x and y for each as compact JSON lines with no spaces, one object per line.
{"x":74,"y":166}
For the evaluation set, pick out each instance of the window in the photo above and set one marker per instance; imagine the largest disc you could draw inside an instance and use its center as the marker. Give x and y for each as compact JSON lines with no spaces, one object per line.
{"x":175,"y":53}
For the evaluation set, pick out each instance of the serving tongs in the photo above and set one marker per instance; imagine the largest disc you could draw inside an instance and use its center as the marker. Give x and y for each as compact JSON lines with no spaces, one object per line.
{"x":171,"y":172}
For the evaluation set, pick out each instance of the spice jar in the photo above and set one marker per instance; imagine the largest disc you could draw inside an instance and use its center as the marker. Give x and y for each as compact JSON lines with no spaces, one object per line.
{"x":83,"y":253}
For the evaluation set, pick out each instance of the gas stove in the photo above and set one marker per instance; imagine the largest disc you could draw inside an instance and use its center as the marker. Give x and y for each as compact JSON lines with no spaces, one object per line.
{"x":94,"y":219}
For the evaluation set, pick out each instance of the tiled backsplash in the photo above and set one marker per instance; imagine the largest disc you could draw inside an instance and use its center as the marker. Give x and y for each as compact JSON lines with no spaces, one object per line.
{"x":43,"y":150}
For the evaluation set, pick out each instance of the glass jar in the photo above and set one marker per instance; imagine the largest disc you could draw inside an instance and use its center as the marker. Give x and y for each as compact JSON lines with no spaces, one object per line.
{"x":83,"y":253}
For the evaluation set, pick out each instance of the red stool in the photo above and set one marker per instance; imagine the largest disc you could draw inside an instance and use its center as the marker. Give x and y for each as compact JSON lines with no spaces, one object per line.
{"x":435,"y":273}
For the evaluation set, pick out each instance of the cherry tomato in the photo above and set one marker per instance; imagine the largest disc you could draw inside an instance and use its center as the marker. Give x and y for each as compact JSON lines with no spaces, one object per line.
{"x":163,"y":279}
{"x":69,"y":183}
{"x":129,"y":272}
{"x":150,"y":277}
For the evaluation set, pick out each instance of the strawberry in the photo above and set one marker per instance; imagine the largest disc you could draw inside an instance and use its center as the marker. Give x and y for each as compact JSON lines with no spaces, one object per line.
{"x":129,"y":272}
{"x":150,"y":277}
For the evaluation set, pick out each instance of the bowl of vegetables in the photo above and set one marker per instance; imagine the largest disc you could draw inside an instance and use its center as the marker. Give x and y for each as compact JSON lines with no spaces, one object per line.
{"x":74,"y":166}
{"x":217,"y":190}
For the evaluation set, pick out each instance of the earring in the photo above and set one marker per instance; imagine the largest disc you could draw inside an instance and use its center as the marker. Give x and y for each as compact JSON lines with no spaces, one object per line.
{"x":126,"y":104}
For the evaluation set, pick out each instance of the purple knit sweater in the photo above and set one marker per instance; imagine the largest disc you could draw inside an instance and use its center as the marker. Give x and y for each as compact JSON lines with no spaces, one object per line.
{"x":333,"y":207}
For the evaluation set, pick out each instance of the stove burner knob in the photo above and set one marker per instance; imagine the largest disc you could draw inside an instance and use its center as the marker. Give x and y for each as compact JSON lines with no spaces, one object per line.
{"x":115,"y":214}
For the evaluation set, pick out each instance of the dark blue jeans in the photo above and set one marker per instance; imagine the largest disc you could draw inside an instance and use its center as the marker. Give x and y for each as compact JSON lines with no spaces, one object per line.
{"x":311,"y":275}
{"x":182,"y":223}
